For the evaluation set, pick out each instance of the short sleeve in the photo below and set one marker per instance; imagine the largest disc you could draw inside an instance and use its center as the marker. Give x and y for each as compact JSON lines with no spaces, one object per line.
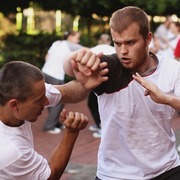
{"x":52,"y":94}
{"x":30,"y":166}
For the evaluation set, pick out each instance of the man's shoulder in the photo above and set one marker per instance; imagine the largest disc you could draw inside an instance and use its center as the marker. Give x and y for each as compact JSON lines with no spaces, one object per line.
{"x":168,"y":61}
{"x":56,"y":42}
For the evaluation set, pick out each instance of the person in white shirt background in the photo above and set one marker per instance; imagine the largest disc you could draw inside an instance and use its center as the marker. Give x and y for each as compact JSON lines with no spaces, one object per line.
{"x":54,"y":74}
{"x":104,"y":45}
{"x":165,"y":39}
{"x":173,"y":39}
{"x":162,"y":33}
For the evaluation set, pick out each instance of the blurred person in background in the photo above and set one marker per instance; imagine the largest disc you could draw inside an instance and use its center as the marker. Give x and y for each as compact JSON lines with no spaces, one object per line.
{"x":104,"y":45}
{"x":175,"y":30}
{"x":54,"y":74}
{"x":162,"y":33}
{"x":154,"y":46}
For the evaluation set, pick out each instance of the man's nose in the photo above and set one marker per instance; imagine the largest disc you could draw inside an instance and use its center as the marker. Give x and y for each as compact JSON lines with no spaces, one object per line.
{"x":124,"y":49}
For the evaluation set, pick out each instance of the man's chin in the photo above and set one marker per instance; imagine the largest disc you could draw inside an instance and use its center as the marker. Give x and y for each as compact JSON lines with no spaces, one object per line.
{"x":127,"y":67}
{"x":33,"y":120}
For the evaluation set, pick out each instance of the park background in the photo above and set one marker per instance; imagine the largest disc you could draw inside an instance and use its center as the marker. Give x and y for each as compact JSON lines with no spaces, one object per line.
{"x":28,"y":28}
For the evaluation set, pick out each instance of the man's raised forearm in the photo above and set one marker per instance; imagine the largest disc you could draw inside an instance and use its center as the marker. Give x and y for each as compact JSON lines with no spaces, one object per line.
{"x":72,"y":92}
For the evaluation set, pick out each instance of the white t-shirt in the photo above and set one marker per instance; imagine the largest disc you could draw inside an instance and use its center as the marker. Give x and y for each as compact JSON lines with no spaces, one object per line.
{"x":53,"y":65}
{"x":137,"y":141}
{"x":172,"y":45}
{"x":162,"y":33}
{"x":57,"y":53}
{"x":18,"y":159}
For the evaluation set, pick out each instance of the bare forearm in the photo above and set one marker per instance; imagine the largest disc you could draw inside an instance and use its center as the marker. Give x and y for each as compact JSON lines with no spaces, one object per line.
{"x":173,"y":101}
{"x":73,"y":92}
{"x":157,"y":95}
{"x":60,"y":158}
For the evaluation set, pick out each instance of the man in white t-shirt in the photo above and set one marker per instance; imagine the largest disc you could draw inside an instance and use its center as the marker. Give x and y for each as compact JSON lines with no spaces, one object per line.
{"x":136,"y":104}
{"x":23,"y":96}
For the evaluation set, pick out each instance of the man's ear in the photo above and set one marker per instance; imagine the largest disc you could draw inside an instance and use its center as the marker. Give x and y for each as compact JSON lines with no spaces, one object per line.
{"x":149,"y":38}
{"x":13,"y":104}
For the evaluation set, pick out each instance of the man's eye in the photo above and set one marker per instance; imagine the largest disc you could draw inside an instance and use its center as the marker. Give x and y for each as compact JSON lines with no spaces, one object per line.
{"x":130,"y":43}
{"x":118,"y":44}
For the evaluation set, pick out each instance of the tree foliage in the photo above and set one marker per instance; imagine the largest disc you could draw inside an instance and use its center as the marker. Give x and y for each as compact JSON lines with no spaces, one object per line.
{"x":28,"y":48}
{"x":86,"y":8}
{"x":33,"y":48}
{"x":9,"y":6}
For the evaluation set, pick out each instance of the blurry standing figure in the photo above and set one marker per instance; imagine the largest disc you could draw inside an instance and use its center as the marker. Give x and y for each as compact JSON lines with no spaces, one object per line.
{"x":175,"y":30}
{"x":162,"y":33}
{"x":104,"y":46}
{"x":154,"y":46}
{"x":54,"y":74}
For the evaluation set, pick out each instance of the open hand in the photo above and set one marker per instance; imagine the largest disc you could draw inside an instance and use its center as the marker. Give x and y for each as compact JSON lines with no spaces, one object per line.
{"x":151,"y":89}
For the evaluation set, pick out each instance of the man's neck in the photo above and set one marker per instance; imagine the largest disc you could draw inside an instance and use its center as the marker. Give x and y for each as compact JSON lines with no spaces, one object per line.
{"x":8,"y":119}
{"x":153,"y":63}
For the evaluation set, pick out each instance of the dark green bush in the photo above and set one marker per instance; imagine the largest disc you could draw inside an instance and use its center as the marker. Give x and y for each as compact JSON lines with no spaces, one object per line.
{"x":29,"y":48}
{"x":24,"y":47}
